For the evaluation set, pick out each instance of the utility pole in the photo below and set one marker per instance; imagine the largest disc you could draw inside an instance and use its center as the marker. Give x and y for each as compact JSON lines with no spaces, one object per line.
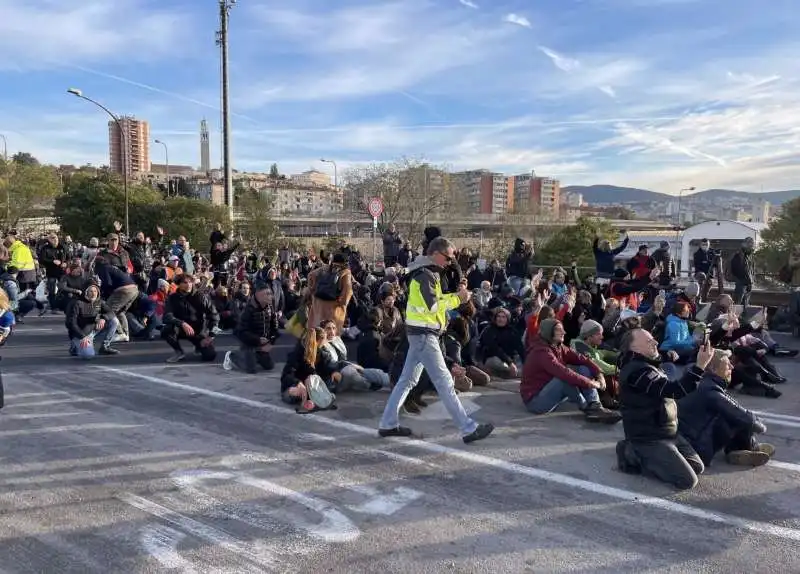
{"x":222,"y":41}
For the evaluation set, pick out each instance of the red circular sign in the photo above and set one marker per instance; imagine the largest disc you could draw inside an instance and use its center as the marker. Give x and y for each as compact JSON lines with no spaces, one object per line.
{"x":375,"y":207}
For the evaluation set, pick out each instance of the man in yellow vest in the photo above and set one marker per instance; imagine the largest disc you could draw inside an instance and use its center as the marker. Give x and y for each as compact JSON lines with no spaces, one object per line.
{"x":426,"y":322}
{"x":20,"y":256}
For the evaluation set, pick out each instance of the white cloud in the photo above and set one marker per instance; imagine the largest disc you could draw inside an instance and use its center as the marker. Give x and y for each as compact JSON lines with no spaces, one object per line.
{"x":560,"y":61}
{"x":608,"y":90}
{"x":517,"y":19}
{"x":468,"y":3}
{"x":41,"y":33}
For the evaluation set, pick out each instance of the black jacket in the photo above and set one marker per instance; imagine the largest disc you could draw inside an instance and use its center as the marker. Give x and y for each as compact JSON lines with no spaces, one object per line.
{"x":704,"y":261}
{"x":48,"y":255}
{"x":82,"y":315}
{"x":111,"y":279}
{"x":140,"y":256}
{"x":518,"y":264}
{"x":218,"y":257}
{"x":368,"y":350}
{"x":296,"y":370}
{"x":649,"y":411}
{"x":118,"y":259}
{"x":257,"y":322}
{"x":663,"y":257}
{"x":195,"y":309}
{"x":742,"y":268}
{"x":505,"y":343}
{"x":700,"y":411}
{"x":71,"y":286}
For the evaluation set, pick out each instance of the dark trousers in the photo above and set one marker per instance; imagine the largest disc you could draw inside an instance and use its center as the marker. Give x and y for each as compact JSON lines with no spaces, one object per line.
{"x":52,"y":284}
{"x":247,"y":359}
{"x":673,"y":461}
{"x":741,"y":295}
{"x":728,"y":438}
{"x":173,"y":334}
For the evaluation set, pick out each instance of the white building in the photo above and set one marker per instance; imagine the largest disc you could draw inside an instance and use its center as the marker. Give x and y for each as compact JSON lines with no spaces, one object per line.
{"x":762,"y":211}
{"x":310,"y":178}
{"x":308,"y":200}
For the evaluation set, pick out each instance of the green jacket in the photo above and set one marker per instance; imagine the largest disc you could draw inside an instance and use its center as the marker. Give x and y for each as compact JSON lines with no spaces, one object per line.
{"x":604,"y":360}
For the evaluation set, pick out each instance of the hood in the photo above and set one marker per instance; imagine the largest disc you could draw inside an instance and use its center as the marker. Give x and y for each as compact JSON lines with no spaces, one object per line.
{"x":519,"y":245}
{"x":420,"y":262}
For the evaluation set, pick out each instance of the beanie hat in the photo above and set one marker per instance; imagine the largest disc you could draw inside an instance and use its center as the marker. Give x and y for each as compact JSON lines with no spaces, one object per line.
{"x":546,"y":329}
{"x":589,"y":328}
{"x":162,"y":283}
{"x":692,"y":289}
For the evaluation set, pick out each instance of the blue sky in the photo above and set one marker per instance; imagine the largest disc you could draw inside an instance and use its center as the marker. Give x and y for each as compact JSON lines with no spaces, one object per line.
{"x":661,"y":94}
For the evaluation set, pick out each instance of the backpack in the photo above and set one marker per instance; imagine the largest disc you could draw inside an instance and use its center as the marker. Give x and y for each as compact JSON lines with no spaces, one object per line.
{"x":327,"y":288}
{"x":320,"y":398}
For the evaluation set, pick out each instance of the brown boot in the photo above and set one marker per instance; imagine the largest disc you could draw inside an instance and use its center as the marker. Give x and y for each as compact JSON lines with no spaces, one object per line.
{"x":747,"y":458}
{"x":462,"y":384}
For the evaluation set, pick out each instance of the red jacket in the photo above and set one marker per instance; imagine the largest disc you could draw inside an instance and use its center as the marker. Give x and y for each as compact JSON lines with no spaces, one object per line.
{"x":546,"y":362}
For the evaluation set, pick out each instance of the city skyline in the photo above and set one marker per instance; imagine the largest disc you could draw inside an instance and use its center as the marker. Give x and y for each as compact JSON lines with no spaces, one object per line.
{"x":657,"y":95}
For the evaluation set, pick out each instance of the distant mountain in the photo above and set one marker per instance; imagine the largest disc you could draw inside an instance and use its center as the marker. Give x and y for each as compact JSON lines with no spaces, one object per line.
{"x":599,"y":194}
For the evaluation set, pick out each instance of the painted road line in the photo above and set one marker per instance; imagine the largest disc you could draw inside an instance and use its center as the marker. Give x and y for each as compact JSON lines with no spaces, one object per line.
{"x":511,"y":467}
{"x":792,"y":418}
{"x":784,"y":465}
{"x":68,"y":428}
{"x":779,"y":422}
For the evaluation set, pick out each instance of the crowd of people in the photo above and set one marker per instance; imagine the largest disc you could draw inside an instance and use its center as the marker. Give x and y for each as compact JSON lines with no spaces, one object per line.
{"x":622,"y":344}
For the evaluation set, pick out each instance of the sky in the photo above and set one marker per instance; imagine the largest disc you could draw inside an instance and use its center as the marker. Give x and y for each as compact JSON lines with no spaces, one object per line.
{"x":657,"y":94}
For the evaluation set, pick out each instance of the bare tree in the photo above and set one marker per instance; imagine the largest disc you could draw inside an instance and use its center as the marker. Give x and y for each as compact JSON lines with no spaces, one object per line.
{"x":413,"y":192}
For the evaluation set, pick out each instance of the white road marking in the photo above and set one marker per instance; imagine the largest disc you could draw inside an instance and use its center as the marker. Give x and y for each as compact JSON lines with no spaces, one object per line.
{"x":196,"y":528}
{"x":41,"y":416}
{"x":31,"y":330}
{"x":511,"y":467}
{"x":780,"y":422}
{"x":314,"y":437}
{"x":380,"y":504}
{"x":53,"y":402}
{"x":161,"y":542}
{"x":437,"y":412}
{"x":237,"y":460}
{"x":777,"y":416}
{"x":15,"y":396}
{"x":335,"y":526}
{"x":785,"y":465}
{"x":407,"y":459}
{"x":68,"y":428}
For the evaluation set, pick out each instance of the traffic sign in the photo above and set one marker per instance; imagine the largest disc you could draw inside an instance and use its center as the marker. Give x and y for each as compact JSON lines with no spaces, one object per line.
{"x":375,"y":207}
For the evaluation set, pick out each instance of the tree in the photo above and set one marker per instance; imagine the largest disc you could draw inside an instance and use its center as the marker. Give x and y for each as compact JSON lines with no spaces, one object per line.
{"x":254,"y":221}
{"x":573,"y":243}
{"x":778,"y":240}
{"x":413,"y":192}
{"x":24,"y":158}
{"x":273,"y":171}
{"x":27,"y":189}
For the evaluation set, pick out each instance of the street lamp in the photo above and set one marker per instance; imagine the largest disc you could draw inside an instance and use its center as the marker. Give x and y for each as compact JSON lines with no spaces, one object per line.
{"x":166,"y":157}
{"x":124,"y":154}
{"x":335,"y":185}
{"x":679,"y":224}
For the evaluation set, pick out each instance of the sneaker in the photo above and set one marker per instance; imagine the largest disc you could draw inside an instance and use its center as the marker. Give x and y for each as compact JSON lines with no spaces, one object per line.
{"x":108,"y":350}
{"x":479,"y":433}
{"x":596,"y":413}
{"x":217,"y":331}
{"x":421,"y":402}
{"x":754,"y":391}
{"x":227,"y":364}
{"x":747,"y":458}
{"x":766,"y":448}
{"x":176,"y":358}
{"x":120,"y":338}
{"x":396,"y":431}
{"x":411,"y":407}
{"x":772,"y":393}
{"x":786,"y":352}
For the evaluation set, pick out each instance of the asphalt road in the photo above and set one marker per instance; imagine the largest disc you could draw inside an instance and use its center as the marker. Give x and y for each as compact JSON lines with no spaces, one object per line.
{"x":127,"y":465}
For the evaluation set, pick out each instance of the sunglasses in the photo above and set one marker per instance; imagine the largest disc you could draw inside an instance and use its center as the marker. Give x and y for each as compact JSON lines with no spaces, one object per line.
{"x":447,"y":257}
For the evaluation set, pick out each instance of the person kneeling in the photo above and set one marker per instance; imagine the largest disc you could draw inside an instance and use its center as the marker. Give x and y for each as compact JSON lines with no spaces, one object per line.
{"x":652,"y":443}
{"x":548,"y":380}
{"x":89,"y":320}
{"x":192,"y":316}
{"x":257,"y":330}
{"x":711,"y":420}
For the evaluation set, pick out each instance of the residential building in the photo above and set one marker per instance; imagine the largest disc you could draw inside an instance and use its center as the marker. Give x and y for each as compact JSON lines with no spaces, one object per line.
{"x":536,"y":194}
{"x":205,"y":148}
{"x":132,"y":151}
{"x":289,"y":198}
{"x":427,"y":187}
{"x":311,"y":177}
{"x":761,"y":211}
{"x":209,"y":191}
{"x":480,"y":191}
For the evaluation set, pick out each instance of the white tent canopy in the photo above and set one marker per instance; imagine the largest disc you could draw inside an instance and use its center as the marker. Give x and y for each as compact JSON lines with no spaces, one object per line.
{"x":715,"y":231}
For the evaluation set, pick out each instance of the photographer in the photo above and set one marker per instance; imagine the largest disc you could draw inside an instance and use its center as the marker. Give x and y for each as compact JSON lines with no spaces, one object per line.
{"x":706,"y":261}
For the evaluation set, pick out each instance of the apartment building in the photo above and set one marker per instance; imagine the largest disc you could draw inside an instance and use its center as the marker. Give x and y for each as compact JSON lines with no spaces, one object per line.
{"x":303,"y":199}
{"x":536,"y":194}
{"x":481,"y":191}
{"x":311,"y":177}
{"x":132,"y":151}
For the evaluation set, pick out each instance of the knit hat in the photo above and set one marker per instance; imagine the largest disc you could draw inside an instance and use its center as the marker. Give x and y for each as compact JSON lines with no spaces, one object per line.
{"x":692,"y":289}
{"x":163,"y":283}
{"x":546,"y":329}
{"x":589,"y":328}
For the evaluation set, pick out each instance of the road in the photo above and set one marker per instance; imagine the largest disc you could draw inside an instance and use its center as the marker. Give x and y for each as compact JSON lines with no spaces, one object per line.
{"x":127,"y":465}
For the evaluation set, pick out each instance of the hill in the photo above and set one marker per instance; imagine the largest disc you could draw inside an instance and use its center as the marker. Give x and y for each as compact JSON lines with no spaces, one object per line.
{"x":599,"y":194}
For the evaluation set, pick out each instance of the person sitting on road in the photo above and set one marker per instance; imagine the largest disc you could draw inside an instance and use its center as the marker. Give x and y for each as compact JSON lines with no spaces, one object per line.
{"x":456,"y":340}
{"x":300,"y":365}
{"x":711,"y":420}
{"x":678,"y":335}
{"x":501,"y":346}
{"x":225,"y":308}
{"x":192,"y":316}
{"x":70,"y":286}
{"x":370,"y":341}
{"x":257,"y":331}
{"x":652,"y":444}
{"x":548,"y":378}
{"x":7,"y":322}
{"x":89,"y":320}
{"x":588,"y":343}
{"x":340,"y":374}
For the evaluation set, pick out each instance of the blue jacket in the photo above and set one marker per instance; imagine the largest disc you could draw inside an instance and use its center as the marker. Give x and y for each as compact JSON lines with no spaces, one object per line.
{"x":676,"y":335}
{"x":111,"y":279}
{"x":701,"y":413}
{"x":604,"y":260}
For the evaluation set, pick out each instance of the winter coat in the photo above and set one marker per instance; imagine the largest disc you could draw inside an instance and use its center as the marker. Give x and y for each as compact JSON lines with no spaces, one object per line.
{"x":296,"y":370}
{"x":505,"y":343}
{"x":193,"y":308}
{"x":699,"y":412}
{"x":704,"y":262}
{"x":368,"y":350}
{"x":219,"y":257}
{"x":224,"y":307}
{"x":663,"y":256}
{"x":647,"y":396}
{"x":605,"y":360}
{"x":518,"y":264}
{"x":640,"y":266}
{"x":48,"y":255}
{"x":604,"y":260}
{"x":119,"y":258}
{"x":111,"y":279}
{"x":546,"y":362}
{"x":82,"y":315}
{"x":742,"y":268}
{"x":391,"y":244}
{"x":256,"y":323}
{"x":676,"y":335}
{"x":334,"y":310}
{"x":140,"y":255}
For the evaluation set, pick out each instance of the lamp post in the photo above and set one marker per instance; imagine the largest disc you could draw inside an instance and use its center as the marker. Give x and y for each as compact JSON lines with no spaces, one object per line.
{"x":678,"y":225}
{"x":8,"y":191}
{"x":124,"y":150}
{"x":335,"y":185}
{"x":166,"y":158}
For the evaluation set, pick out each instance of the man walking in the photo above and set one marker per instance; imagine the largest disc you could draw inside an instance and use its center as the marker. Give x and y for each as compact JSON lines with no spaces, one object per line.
{"x":426,"y":321}
{"x":743,"y":272}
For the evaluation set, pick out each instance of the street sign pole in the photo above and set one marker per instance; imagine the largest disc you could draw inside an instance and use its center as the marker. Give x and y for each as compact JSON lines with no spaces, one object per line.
{"x":375,"y":208}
